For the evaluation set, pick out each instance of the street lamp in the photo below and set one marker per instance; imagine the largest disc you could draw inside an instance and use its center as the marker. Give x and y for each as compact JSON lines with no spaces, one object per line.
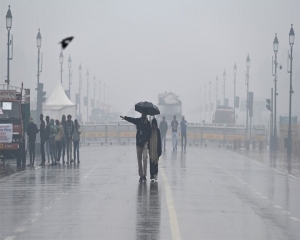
{"x":80,"y":87}
{"x":209,"y":110}
{"x":234,"y":81}
{"x":224,"y":79}
{"x":39,"y":104}
{"x":8,"y":26}
{"x":217,"y":82}
{"x":275,"y":48}
{"x":94,"y":91}
{"x":205,"y":102}
{"x":99,"y":93}
{"x":87,"y":94}
{"x":61,"y":60}
{"x":247,"y":84}
{"x":70,"y":65}
{"x":291,"y":40}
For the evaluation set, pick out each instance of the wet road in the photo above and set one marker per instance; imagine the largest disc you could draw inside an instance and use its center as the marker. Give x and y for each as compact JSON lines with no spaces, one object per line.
{"x":206,"y":193}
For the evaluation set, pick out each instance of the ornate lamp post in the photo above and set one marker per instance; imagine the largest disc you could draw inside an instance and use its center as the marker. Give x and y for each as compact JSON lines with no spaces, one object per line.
{"x":87,"y":94}
{"x":234,"y":81}
{"x":275,"y":48}
{"x":38,"y":104}
{"x":224,"y":79}
{"x":61,"y":60}
{"x":70,"y":65}
{"x":9,"y":42}
{"x":80,"y":87}
{"x":291,"y":40}
{"x":217,"y":83}
{"x":247,"y":84}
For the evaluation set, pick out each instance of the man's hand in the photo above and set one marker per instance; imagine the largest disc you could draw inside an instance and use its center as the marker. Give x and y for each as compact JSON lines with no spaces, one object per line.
{"x":122,"y":117}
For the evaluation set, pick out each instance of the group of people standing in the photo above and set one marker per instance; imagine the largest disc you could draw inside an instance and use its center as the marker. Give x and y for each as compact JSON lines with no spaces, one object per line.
{"x":58,"y":138}
{"x":150,"y":138}
{"x":163,"y":126}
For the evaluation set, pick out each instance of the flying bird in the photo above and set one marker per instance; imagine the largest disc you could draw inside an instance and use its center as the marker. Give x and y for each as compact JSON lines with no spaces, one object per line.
{"x":65,"y":42}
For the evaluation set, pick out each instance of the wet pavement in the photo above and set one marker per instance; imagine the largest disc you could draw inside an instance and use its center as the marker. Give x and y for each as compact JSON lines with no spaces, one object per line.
{"x":206,"y":193}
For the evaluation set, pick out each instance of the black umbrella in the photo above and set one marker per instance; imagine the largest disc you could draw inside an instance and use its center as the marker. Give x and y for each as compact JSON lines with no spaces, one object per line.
{"x":147,"y":107}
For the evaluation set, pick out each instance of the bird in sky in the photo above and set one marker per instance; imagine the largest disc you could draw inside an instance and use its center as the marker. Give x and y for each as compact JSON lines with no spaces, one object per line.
{"x":65,"y":42}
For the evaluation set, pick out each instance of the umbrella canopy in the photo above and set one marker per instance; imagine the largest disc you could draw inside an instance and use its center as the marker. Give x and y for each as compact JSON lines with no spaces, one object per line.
{"x":147,"y":107}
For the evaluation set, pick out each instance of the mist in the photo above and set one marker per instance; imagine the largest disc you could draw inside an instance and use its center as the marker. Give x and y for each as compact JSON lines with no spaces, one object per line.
{"x":142,"y":48}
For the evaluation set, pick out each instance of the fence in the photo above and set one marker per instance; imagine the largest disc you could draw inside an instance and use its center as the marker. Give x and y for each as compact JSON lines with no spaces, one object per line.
{"x":125,"y":133}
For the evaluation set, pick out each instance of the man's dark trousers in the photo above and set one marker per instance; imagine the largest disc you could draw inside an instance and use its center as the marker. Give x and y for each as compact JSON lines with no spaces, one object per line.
{"x":32,"y":152}
{"x":183,"y":136}
{"x":43,"y":151}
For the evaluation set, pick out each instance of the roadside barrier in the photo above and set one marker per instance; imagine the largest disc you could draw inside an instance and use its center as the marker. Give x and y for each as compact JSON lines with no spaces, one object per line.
{"x":124,"y":133}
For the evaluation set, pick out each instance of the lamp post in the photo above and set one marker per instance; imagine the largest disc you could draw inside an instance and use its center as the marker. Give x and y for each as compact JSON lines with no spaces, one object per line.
{"x":8,"y":26}
{"x":200,"y":106}
{"x":61,"y":60}
{"x":99,"y":93}
{"x":70,"y":65}
{"x":205,"y":102}
{"x":224,"y":79}
{"x":275,"y":48}
{"x":87,"y":94}
{"x":209,"y":109}
{"x":291,"y":40}
{"x":234,"y":81}
{"x":217,"y":83}
{"x":247,"y":84}
{"x":80,"y":87}
{"x":38,"y":104}
{"x":94,"y":91}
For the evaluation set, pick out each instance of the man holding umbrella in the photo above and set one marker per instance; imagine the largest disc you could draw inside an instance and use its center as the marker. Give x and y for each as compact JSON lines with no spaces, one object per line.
{"x":142,"y":134}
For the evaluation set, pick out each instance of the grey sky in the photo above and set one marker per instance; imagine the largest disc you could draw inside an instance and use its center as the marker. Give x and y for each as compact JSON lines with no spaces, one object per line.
{"x":140,"y":48}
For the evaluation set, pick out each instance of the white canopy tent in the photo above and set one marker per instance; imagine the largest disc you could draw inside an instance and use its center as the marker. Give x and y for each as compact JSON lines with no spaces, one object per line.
{"x":58,"y":104}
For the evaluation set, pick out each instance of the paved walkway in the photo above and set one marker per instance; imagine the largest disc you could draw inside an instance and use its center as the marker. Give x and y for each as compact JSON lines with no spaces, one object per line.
{"x":206,"y":193}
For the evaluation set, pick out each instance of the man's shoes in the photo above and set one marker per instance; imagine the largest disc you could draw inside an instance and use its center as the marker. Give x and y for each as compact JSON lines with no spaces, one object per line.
{"x":42,"y":164}
{"x":71,"y":160}
{"x":155,"y":177}
{"x":78,"y":161}
{"x":28,"y":165}
{"x":144,"y":179}
{"x":152,"y":180}
{"x":141,"y":179}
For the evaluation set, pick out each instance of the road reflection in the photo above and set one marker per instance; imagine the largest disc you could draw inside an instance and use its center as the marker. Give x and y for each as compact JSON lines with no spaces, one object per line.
{"x":148,"y":212}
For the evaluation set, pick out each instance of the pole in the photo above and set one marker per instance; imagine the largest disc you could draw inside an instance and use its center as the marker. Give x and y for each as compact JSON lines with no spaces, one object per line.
{"x":234,"y":100}
{"x":37,"y":88}
{"x":209,"y":120}
{"x":99,"y":94}
{"x":289,"y":147}
{"x":8,"y":58}
{"x":80,"y":95}
{"x":275,"y":102}
{"x":247,"y":107}
{"x":271,"y":121}
{"x":217,"y":92}
{"x":61,"y":70}
{"x":205,"y":103}
{"x":87,"y":98}
{"x":69,"y":83}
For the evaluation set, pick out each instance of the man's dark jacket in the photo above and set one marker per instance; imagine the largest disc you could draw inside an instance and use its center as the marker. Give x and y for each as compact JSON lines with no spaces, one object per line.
{"x":158,"y":143}
{"x":32,"y":130}
{"x":42,"y":130}
{"x":163,"y":127}
{"x":143,"y":130}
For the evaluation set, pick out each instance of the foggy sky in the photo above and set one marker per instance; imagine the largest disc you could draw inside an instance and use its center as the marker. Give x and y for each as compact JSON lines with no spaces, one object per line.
{"x":141,"y":48}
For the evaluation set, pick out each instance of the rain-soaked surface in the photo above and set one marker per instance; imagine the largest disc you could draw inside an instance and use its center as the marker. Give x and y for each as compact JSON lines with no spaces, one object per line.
{"x":206,"y":193}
